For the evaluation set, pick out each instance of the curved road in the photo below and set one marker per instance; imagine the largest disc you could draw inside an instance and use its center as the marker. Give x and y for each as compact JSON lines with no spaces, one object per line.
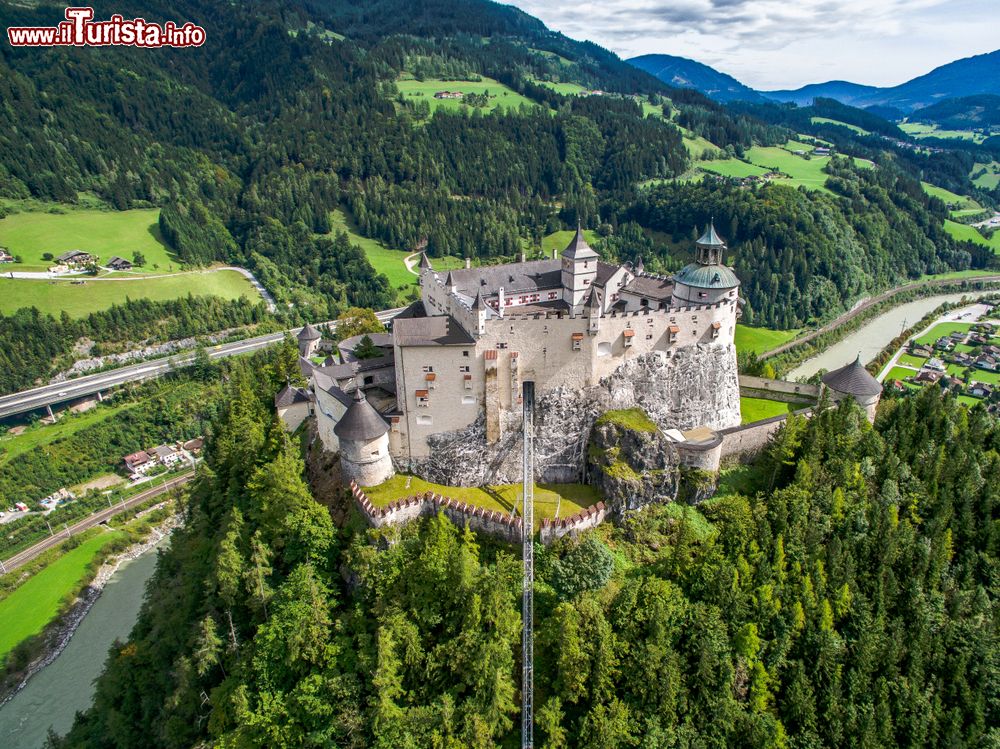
{"x":31,"y":552}
{"x":47,"y":395}
{"x":867,"y":304}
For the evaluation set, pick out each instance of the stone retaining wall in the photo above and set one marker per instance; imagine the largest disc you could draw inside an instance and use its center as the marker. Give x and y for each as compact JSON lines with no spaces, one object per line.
{"x":591,"y":517}
{"x":746,"y":441}
{"x":778,"y":390}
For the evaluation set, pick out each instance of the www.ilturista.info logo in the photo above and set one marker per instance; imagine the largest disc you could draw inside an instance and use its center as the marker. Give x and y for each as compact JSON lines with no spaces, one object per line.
{"x":79,"y":30}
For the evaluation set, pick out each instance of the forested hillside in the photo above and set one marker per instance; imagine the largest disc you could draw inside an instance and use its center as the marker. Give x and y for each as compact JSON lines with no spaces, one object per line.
{"x":293,"y":110}
{"x":851,"y":602}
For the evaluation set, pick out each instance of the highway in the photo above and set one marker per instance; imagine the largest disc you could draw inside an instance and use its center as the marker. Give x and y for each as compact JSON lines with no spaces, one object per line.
{"x":80,"y":387}
{"x":31,"y":552}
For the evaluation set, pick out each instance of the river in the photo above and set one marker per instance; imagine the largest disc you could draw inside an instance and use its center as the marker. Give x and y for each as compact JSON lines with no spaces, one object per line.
{"x":54,"y":695}
{"x":872,"y":337}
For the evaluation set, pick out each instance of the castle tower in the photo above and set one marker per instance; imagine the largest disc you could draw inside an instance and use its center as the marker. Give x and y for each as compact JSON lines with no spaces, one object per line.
{"x":309,"y":339}
{"x":481,"y":311}
{"x":579,"y":271}
{"x":707,"y":280}
{"x":594,"y":309}
{"x":364,"y":443}
{"x":854,"y":381}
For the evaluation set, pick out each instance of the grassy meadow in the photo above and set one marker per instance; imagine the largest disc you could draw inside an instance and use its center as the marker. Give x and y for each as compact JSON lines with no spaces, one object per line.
{"x":566,"y":89}
{"x":759,"y":340}
{"x":794,"y":170}
{"x":964,"y":232}
{"x":758,"y":409}
{"x":923,"y":130}
{"x":949,"y":197}
{"x":31,"y":606}
{"x":570,"y":498}
{"x":500,"y":95}
{"x":103,"y":233}
{"x":828,"y":121}
{"x":79,"y":300}
{"x":38,"y":435}
{"x":989,"y":180}
{"x":943,"y":329}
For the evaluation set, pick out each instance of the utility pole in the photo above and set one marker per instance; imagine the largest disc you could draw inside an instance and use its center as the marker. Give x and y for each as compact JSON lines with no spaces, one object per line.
{"x":528,"y":557}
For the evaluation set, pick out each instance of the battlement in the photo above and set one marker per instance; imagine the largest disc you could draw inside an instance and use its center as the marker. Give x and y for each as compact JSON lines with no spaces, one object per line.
{"x":586,"y":519}
{"x":614,"y":314}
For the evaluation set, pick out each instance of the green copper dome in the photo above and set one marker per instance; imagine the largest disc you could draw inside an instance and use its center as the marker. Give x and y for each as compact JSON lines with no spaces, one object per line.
{"x":707,"y":276}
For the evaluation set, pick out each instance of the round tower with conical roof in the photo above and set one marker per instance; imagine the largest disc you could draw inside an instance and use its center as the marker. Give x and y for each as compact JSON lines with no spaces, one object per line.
{"x":309,"y":339}
{"x":854,"y":381}
{"x":707,"y":280}
{"x":364,"y":443}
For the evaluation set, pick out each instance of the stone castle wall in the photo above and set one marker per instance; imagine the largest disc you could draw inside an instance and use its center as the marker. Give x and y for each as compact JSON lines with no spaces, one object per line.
{"x":586,"y":519}
{"x":778,"y":390}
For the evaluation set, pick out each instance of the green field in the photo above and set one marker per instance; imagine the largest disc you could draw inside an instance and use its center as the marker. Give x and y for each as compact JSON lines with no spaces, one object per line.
{"x":558,"y":240}
{"x":922,"y":130}
{"x":102,"y":233}
{"x":732,"y":168}
{"x":991,"y":179}
{"x":971,"y":234}
{"x":827,"y":120}
{"x":500,"y":95}
{"x":39,"y":434}
{"x":943,"y":329}
{"x":27,"y":610}
{"x":950,"y":198}
{"x":757,"y":409}
{"x":899,"y":373}
{"x":79,"y":300}
{"x":912,"y":361}
{"x":571,"y":498}
{"x":566,"y":89}
{"x":796,"y":170}
{"x":759,"y":340}
{"x":983,"y":375}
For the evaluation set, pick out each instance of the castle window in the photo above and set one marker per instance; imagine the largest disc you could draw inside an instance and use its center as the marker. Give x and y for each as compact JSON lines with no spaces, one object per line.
{"x":672,"y":331}
{"x":428,"y":368}
{"x":422,"y":398}
{"x":702,"y":294}
{"x":649,"y":336}
{"x":468,"y":382}
{"x":465,"y":353}
{"x":629,"y":334}
{"x":604,"y":349}
{"x":586,"y":282}
{"x":468,"y":400}
{"x":501,"y":345}
{"x":424,"y":419}
{"x":464,"y":368}
{"x":369,"y":380}
{"x":553,"y":295}
{"x":577,"y":339}
{"x":715,"y":329}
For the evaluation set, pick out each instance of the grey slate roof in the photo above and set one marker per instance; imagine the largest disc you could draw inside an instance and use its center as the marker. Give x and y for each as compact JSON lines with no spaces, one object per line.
{"x":441,"y":330}
{"x":309,"y":333}
{"x":289,"y":396}
{"x":361,"y":422}
{"x":852,"y":379}
{"x":578,"y":249}
{"x":710,"y":238}
{"x":604,"y":272}
{"x":425,"y":263}
{"x":515,"y":278}
{"x":651,"y":287}
{"x":70,"y":255}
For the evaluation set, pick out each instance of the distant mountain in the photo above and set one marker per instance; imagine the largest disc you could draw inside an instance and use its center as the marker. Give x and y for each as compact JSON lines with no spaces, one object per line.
{"x":962,"y":113}
{"x":843,"y":91}
{"x":682,"y":72}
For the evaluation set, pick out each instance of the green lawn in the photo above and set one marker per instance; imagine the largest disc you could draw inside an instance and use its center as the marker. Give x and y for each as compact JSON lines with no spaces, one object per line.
{"x":958,"y":274}
{"x":991,"y":179}
{"x":983,"y":376}
{"x":913,"y":361}
{"x":899,"y":373}
{"x":697,"y":146}
{"x":971,"y":234}
{"x":759,"y":340}
{"x":732,"y":168}
{"x":500,"y":95}
{"x":558,"y":240}
{"x":943,"y":329}
{"x":757,"y":409}
{"x":805,"y":171}
{"x":26,"y":611}
{"x":39,"y":434}
{"x":574,"y":497}
{"x":102,"y":233}
{"x":827,"y":120}
{"x":922,"y":130}
{"x":951,"y":198}
{"x":81,"y":299}
{"x":566,"y":89}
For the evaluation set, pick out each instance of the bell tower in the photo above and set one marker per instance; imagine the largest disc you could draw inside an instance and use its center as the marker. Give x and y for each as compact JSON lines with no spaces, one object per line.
{"x":579,"y":271}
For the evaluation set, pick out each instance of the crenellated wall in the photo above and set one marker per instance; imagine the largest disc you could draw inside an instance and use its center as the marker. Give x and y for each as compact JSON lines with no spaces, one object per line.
{"x":586,"y":519}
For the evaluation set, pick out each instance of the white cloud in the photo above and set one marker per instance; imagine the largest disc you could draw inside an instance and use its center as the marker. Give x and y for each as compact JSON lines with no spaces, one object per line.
{"x":779,"y":43}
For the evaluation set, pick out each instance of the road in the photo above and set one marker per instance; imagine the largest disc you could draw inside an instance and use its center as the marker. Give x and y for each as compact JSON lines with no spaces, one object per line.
{"x":23,"y":557}
{"x":47,"y":395}
{"x":836,"y":323}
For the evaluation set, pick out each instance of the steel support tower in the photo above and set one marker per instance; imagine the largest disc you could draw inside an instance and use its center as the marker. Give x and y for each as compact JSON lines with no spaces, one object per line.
{"x":528,"y":557}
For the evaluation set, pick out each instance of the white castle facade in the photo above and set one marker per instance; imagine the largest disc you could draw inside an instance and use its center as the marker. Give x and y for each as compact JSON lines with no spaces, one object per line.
{"x":590,"y":335}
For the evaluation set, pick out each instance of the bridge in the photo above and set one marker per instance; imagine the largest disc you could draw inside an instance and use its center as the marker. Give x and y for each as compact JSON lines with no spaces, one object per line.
{"x":52,"y":394}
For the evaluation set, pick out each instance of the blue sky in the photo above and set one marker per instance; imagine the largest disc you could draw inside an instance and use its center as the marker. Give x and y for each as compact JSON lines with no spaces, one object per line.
{"x":772,"y":44}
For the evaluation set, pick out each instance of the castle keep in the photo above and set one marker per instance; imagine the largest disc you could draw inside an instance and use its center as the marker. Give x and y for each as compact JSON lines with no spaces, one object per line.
{"x":591,"y":335}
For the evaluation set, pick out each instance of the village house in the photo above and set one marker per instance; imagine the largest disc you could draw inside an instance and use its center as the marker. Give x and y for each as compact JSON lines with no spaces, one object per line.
{"x":927,"y":375}
{"x":194,"y":446}
{"x":167,"y":455}
{"x":986,"y":362}
{"x":980,"y":389}
{"x":75,"y":258}
{"x":922,"y":350}
{"x":139,"y":463}
{"x":944,"y":343}
{"x":935,"y":365}
{"x":5,"y":257}
{"x":448,"y":94}
{"x":119,"y":263}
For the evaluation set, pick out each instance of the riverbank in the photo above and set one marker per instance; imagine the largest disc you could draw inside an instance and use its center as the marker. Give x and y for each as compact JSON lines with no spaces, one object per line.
{"x":57,"y":634}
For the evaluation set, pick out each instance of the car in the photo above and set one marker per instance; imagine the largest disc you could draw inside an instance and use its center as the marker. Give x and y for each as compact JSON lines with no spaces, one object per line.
{"x":61,"y":393}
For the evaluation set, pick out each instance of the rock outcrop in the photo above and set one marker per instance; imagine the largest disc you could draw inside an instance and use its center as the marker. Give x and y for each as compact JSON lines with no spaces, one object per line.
{"x":692,"y":386}
{"x":630,"y":461}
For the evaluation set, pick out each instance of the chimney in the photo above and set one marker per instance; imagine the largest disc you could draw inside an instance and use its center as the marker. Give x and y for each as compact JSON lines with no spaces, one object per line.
{"x":468,"y":262}
{"x":554,"y":256}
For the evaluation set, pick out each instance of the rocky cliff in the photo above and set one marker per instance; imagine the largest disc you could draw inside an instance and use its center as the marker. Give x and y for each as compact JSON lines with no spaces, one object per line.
{"x":692,"y":386}
{"x":630,"y":461}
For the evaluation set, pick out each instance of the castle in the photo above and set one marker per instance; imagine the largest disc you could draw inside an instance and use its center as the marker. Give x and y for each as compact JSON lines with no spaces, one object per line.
{"x":442,"y":397}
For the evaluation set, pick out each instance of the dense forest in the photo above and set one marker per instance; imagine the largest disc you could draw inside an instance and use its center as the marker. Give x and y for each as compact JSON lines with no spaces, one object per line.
{"x":291,"y":110}
{"x":32,"y":344}
{"x":846,"y":598}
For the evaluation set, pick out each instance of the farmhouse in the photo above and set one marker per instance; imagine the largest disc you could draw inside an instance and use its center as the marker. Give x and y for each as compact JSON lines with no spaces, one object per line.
{"x":75,"y":258}
{"x":167,"y":455}
{"x":448,"y":94}
{"x":119,"y":263}
{"x":5,"y":257}
{"x":138,"y":462}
